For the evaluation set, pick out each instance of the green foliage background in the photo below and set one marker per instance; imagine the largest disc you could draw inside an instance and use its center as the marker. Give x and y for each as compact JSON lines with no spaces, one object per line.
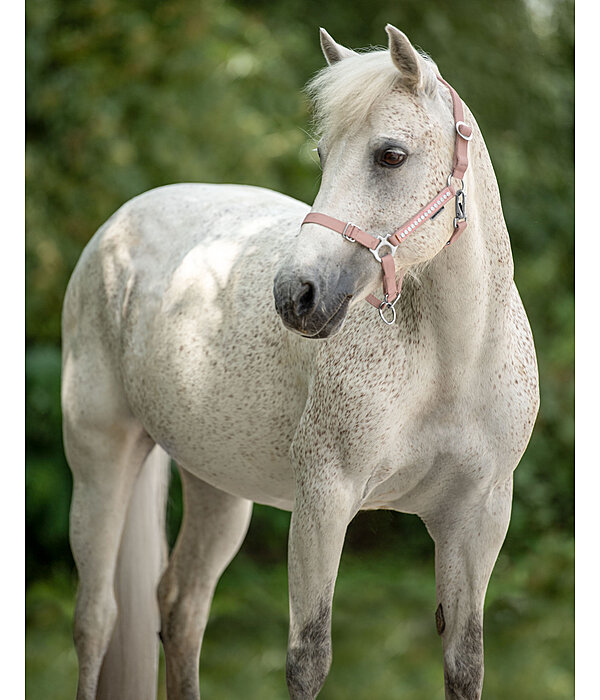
{"x":123,"y":96}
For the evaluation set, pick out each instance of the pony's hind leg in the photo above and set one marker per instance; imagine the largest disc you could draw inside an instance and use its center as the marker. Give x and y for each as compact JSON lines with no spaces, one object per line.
{"x":467,"y":541}
{"x":213,"y":528}
{"x":106,"y":448}
{"x":98,"y":510}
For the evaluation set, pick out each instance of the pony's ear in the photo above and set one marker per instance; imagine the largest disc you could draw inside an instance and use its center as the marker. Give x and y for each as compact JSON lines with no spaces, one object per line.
{"x":332,"y":51}
{"x":405,"y":58}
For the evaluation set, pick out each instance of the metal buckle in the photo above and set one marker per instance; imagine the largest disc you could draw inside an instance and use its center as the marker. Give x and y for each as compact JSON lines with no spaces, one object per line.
{"x":349,"y":238}
{"x":383,"y":242}
{"x":386,"y":306}
{"x":459,"y":132}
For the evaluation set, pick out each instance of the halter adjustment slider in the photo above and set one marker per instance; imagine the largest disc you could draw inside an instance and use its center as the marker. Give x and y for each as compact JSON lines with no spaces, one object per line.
{"x":345,"y":235}
{"x":468,"y":135}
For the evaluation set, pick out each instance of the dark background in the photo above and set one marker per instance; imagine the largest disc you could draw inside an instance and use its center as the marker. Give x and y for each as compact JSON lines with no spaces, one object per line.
{"x":126,"y":96}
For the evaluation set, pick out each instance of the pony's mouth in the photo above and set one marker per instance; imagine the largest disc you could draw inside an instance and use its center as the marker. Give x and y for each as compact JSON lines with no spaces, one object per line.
{"x":331,"y":326}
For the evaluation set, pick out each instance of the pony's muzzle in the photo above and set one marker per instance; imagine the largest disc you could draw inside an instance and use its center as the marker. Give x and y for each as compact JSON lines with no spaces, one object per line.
{"x":296,"y":299}
{"x":303,"y":307}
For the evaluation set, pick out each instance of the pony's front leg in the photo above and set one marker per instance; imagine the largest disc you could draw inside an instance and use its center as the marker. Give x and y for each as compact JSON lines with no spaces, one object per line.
{"x":323,"y":507}
{"x":467,"y":542}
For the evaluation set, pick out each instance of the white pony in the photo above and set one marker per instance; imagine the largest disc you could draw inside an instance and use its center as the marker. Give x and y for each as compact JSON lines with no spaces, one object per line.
{"x":172,"y":347}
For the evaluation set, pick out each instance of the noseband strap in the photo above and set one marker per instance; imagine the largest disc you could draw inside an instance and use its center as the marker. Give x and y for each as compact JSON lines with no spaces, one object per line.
{"x":392,"y":284}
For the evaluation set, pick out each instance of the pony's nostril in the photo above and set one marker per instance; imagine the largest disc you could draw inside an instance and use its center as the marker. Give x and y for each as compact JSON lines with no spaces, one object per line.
{"x":305,"y":300}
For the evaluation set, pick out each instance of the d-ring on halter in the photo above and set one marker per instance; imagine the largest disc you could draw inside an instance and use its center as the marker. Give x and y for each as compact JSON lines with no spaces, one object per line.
{"x":391,"y":285}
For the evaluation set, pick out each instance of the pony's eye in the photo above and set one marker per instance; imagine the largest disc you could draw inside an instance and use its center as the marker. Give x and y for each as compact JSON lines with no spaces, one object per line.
{"x":392,"y":159}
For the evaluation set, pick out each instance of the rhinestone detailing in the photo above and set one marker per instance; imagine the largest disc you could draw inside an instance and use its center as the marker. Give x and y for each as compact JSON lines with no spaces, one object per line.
{"x":428,"y":211}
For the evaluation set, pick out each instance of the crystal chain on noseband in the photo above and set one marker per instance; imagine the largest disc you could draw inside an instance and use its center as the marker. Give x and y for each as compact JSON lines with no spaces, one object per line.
{"x":391,"y":285}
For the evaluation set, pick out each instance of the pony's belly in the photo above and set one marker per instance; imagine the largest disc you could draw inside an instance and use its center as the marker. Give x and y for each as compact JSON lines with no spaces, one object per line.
{"x":257,"y":478}
{"x":226,"y":412}
{"x":227,"y":433}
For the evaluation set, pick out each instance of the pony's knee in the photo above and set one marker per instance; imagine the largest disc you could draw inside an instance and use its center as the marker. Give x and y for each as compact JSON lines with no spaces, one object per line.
{"x":463,"y":666}
{"x":309,"y":660}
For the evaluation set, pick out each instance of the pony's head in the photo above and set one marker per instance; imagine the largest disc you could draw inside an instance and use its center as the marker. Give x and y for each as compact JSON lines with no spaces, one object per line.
{"x":386,"y":144}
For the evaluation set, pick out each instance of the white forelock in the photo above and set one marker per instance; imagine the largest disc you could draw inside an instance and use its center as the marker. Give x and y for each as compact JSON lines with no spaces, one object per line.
{"x":344,"y":93}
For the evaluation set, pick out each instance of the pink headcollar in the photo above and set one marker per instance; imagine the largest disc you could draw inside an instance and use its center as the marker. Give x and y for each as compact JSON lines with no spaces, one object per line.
{"x":391,"y":285}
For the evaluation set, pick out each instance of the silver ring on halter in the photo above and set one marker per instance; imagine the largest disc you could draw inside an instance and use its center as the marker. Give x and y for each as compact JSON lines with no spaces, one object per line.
{"x":462,"y":182}
{"x":459,"y":132}
{"x":387,"y":306}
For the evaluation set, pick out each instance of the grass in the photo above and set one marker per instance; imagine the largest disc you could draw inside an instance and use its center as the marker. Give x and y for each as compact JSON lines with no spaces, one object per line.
{"x":384,"y":639}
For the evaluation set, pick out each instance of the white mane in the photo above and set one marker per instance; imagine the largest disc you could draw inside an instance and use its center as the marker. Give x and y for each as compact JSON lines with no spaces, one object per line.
{"x":344,"y":93}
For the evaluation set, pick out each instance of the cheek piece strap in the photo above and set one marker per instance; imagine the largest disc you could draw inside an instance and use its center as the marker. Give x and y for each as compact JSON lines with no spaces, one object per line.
{"x":384,"y":247}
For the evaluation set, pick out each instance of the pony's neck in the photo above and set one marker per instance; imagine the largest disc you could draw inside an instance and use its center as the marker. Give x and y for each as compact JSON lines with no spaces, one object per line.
{"x":465,"y":288}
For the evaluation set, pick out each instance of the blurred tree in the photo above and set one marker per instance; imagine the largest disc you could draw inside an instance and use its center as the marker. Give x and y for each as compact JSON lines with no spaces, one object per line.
{"x":126,"y":96}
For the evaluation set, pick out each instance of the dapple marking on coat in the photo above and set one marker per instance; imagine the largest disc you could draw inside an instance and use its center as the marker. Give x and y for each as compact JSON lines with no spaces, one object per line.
{"x":172,"y":348}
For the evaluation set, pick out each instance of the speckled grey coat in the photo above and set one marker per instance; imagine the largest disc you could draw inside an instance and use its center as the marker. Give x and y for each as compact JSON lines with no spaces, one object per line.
{"x":172,"y":346}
